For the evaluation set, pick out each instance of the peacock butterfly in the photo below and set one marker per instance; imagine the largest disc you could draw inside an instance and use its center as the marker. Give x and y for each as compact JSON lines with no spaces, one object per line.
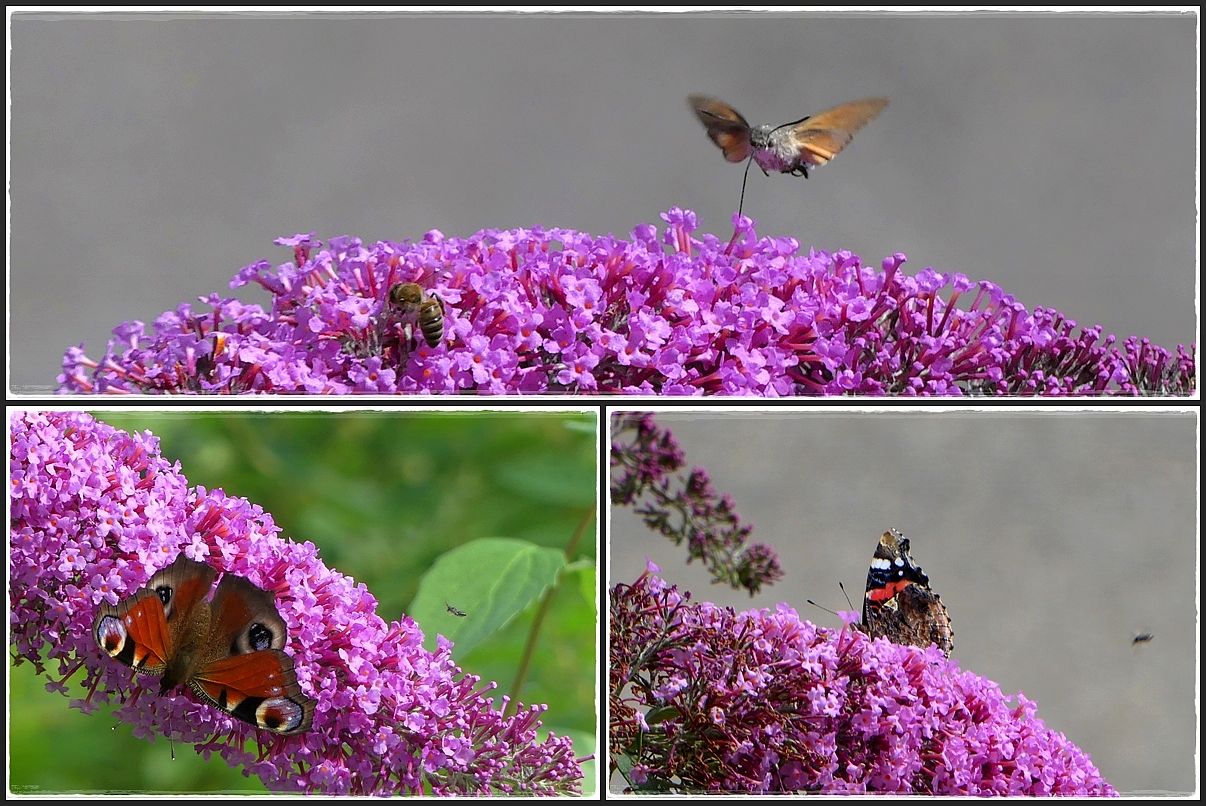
{"x":227,"y":650}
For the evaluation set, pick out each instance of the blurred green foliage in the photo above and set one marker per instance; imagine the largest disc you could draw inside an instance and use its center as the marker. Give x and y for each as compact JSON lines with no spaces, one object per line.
{"x":383,"y":495}
{"x":496,"y":578}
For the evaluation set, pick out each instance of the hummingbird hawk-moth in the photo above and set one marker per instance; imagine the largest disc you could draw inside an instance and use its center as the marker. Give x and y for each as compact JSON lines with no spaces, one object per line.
{"x":789,"y":147}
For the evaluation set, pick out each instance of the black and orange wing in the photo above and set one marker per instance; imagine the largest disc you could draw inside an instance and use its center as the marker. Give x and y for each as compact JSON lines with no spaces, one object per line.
{"x":259,"y":688}
{"x":899,"y":604}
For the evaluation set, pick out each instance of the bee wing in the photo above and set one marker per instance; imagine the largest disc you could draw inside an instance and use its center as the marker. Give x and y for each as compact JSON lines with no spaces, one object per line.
{"x":820,"y":137}
{"x":725,"y":126}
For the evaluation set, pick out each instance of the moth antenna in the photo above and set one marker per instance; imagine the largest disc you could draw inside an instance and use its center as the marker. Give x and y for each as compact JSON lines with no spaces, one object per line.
{"x":787,"y":125}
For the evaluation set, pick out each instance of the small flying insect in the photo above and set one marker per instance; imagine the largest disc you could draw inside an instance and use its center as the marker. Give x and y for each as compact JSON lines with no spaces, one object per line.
{"x":789,"y":147}
{"x":408,"y":300}
{"x":1142,"y":638}
{"x":454,"y":611}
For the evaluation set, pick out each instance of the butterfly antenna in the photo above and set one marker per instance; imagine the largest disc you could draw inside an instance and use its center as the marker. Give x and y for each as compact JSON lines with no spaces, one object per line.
{"x":745,"y":176}
{"x":822,"y":607}
{"x":843,"y":587}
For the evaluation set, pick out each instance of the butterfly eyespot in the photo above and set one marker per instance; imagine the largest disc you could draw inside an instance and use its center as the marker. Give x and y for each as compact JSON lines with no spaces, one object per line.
{"x":111,"y":635}
{"x":259,"y":637}
{"x":279,"y":714}
{"x":164,"y":592}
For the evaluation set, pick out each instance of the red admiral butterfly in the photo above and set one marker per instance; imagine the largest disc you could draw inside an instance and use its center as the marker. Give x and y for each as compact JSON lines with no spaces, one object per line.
{"x":899,"y":604}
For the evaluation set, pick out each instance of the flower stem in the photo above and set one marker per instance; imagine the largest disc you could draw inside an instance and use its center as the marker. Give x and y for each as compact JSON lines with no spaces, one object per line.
{"x":529,"y":649}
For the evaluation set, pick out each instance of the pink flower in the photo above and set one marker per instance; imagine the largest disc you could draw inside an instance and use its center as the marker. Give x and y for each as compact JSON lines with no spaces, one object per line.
{"x":706,"y":700}
{"x":530,"y":311}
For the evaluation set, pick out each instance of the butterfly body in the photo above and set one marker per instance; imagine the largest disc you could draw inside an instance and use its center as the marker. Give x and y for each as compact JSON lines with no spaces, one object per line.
{"x":899,"y":604}
{"x":228,"y":650}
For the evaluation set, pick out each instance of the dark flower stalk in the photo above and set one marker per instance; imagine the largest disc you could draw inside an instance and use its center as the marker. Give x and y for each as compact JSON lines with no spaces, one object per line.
{"x":645,"y":466}
{"x":566,"y":312}
{"x":703,"y":699}
{"x":95,"y":511}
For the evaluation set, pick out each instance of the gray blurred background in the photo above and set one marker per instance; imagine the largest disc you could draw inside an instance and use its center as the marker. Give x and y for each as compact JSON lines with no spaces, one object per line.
{"x":1052,"y":538}
{"x":154,"y":156}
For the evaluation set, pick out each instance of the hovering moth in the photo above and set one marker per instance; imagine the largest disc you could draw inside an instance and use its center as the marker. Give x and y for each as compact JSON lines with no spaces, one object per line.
{"x":789,"y":147}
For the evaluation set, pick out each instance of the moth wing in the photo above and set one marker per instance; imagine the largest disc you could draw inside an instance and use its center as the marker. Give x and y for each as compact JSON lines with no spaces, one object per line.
{"x":259,"y":688}
{"x":725,"y":125}
{"x":819,"y":138}
{"x":141,"y":631}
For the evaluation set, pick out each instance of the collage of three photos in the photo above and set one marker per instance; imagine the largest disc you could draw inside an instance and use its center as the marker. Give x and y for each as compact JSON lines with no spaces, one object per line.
{"x":591,"y":439}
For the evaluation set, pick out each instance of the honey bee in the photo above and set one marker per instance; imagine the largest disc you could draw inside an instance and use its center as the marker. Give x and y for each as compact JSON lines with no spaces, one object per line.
{"x":408,"y":300}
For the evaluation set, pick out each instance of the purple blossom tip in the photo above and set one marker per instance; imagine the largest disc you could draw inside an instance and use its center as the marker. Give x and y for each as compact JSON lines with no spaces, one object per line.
{"x":529,"y":311}
{"x":647,"y":466}
{"x":95,"y":511}
{"x":707,"y":700}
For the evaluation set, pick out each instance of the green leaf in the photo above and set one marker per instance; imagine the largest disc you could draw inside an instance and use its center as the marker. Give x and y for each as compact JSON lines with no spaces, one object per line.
{"x":491,"y":580}
{"x":656,"y":715}
{"x":562,"y":480}
{"x":584,"y":570}
{"x":587,"y":426}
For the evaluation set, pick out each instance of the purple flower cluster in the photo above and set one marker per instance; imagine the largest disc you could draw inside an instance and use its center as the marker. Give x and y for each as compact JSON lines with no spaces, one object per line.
{"x":560,"y":311}
{"x":645,"y":464}
{"x":95,"y":511}
{"x":703,"y":699}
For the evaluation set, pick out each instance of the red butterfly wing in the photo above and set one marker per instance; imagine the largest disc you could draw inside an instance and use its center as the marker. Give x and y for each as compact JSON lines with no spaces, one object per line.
{"x":259,"y":688}
{"x":260,"y":674}
{"x":135,"y":632}
{"x":245,"y":618}
{"x":141,"y":631}
{"x":251,"y":678}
